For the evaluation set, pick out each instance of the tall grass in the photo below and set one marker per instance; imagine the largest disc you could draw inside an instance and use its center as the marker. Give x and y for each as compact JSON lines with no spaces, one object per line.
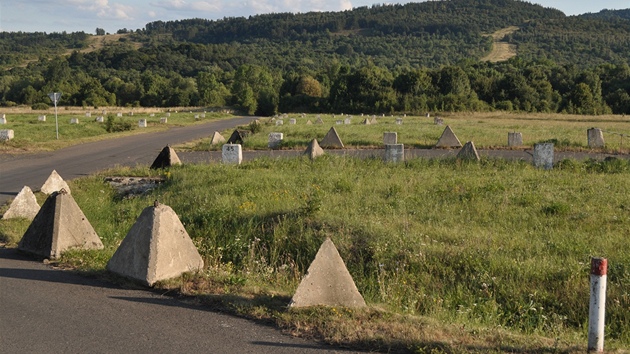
{"x":494,"y":244}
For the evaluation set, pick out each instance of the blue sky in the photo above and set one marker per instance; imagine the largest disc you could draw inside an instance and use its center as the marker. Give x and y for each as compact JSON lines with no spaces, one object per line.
{"x":112,"y":15}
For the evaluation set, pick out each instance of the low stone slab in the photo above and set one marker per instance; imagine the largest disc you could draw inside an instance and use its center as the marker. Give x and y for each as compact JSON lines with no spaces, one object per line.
{"x":157,"y":247}
{"x":279,"y":122}
{"x":100,"y":119}
{"x":438,"y":121}
{"x":23,"y":206}
{"x":292,"y":121}
{"x":347,"y":121}
{"x":59,"y":225}
{"x":399,"y":121}
{"x":390,"y":138}
{"x":595,"y":138}
{"x":164,"y":120}
{"x":327,"y":282}
{"x":41,"y":118}
{"x":515,"y":139}
{"x":54,"y":183}
{"x":232,"y":154}
{"x":394,"y":153}
{"x":74,"y":120}
{"x":142,"y":123}
{"x":543,"y":156}
{"x":6,"y":134}
{"x":275,"y":140}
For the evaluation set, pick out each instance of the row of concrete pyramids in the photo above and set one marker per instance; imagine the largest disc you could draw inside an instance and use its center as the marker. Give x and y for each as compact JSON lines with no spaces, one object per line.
{"x":157,"y":247}
{"x":25,"y":205}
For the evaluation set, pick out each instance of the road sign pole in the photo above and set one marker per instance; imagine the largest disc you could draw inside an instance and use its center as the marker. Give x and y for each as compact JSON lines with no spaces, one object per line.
{"x":55,"y":96}
{"x":56,"y":122}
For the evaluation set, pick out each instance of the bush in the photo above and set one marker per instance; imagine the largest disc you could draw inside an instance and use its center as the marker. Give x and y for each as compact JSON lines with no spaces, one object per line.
{"x":41,"y":106}
{"x":113,"y":125}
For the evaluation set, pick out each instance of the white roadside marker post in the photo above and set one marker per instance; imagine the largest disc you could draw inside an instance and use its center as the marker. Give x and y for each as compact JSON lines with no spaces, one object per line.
{"x":597,"y":305}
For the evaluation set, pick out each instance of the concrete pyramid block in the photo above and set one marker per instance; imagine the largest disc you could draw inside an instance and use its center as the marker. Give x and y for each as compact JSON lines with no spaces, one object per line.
{"x":23,"y":206}
{"x":468,"y":152}
{"x":166,"y":158}
{"x":157,"y":247}
{"x":308,"y":122}
{"x":373,"y":120}
{"x":331,"y":140}
{"x":313,"y":150}
{"x":319,"y":121}
{"x":59,"y":226}
{"x":448,"y":139}
{"x":54,"y":183}
{"x":327,"y":282}
{"x":237,"y":136}
{"x":366,"y":121}
{"x":217,"y":138}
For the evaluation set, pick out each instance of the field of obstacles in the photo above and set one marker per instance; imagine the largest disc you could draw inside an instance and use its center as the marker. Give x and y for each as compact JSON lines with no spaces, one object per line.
{"x":450,"y":256}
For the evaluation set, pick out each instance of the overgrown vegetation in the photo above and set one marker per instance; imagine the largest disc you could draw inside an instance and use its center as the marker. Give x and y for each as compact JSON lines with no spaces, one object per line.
{"x":482,"y":251}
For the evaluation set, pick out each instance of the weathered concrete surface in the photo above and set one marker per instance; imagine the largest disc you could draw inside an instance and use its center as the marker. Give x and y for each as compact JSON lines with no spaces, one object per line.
{"x":156,"y":248}
{"x":313,"y":150}
{"x":448,"y":139}
{"x":595,"y":138}
{"x":543,"y":156}
{"x":23,"y":206}
{"x":390,"y":138}
{"x":217,"y":138}
{"x":515,"y":139}
{"x":327,"y":282}
{"x":274,"y":140}
{"x":54,"y":183}
{"x":394,"y":153}
{"x":331,"y":140}
{"x":59,"y":226}
{"x":232,"y":154}
{"x":166,"y":158}
{"x":468,"y":152}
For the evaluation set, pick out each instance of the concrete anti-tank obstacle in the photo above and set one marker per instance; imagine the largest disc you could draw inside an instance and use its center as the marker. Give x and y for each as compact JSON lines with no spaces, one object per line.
{"x":448,"y":139}
{"x":468,"y":152}
{"x":157,"y":247}
{"x":327,"y":282}
{"x":331,"y":140}
{"x":217,"y":138}
{"x":23,"y":206}
{"x":313,"y":150}
{"x":166,"y":158}
{"x":54,"y":183}
{"x":59,"y":225}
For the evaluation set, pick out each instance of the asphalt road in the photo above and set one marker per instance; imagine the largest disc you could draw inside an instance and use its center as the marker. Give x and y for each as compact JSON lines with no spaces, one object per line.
{"x":80,"y":160}
{"x":43,"y":310}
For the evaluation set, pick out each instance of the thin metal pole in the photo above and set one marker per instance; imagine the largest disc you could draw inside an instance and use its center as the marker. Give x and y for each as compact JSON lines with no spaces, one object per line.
{"x":597,"y":305}
{"x":56,"y":121}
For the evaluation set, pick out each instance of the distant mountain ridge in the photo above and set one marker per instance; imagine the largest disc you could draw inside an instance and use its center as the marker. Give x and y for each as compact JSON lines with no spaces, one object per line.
{"x":607,"y":14}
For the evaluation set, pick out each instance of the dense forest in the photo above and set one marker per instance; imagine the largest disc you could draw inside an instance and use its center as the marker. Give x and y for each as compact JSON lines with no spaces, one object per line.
{"x":409,"y":58}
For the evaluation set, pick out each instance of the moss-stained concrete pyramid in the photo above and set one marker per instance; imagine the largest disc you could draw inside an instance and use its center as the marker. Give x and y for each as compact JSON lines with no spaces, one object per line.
{"x":217,"y":138}
{"x":59,"y":226}
{"x":331,"y":140}
{"x":156,"y":248}
{"x":313,"y":150}
{"x":54,"y":183}
{"x":448,"y":139}
{"x":468,"y":152}
{"x":166,"y":158}
{"x":327,"y":282}
{"x":23,"y":206}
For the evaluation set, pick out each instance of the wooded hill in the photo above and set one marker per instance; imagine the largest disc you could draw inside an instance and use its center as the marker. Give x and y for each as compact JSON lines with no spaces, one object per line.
{"x":397,"y":58}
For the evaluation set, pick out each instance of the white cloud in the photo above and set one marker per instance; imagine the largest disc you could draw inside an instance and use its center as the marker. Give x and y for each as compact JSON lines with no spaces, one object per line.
{"x":103,"y":9}
{"x":185,"y":6}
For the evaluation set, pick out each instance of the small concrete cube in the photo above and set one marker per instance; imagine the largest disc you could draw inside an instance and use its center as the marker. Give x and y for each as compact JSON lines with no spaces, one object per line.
{"x":232,"y":154}
{"x":275,"y":140}
{"x":595,"y":138}
{"x":390,"y":138}
{"x":515,"y":139}
{"x":74,"y":120}
{"x":394,"y":153}
{"x":543,"y":156}
{"x":142,"y":123}
{"x":6,"y":134}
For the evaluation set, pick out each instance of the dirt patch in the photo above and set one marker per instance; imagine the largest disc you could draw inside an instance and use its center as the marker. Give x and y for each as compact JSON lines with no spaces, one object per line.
{"x":501,"y":50}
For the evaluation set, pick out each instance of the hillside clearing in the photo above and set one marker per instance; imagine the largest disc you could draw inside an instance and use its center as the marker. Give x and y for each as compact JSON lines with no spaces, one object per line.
{"x":501,"y":51}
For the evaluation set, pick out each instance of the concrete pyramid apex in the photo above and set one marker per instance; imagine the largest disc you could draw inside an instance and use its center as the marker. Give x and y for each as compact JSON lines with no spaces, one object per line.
{"x":448,"y":139}
{"x":468,"y":152}
{"x":313,"y":150}
{"x":157,"y":247}
{"x":166,"y":158}
{"x":59,"y":225}
{"x":308,"y":122}
{"x":217,"y":138}
{"x":54,"y":183}
{"x":332,"y":139}
{"x":23,"y":206}
{"x":327,"y":282}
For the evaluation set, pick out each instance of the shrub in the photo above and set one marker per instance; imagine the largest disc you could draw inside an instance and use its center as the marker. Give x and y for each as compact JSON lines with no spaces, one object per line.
{"x":40,"y":106}
{"x":113,"y":125}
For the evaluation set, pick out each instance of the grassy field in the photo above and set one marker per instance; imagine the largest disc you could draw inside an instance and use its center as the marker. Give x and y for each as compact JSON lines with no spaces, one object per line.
{"x":451,"y":257}
{"x":486,"y":130}
{"x":32,"y":135}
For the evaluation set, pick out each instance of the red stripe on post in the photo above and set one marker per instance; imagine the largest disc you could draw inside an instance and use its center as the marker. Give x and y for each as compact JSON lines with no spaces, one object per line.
{"x":599,"y":266}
